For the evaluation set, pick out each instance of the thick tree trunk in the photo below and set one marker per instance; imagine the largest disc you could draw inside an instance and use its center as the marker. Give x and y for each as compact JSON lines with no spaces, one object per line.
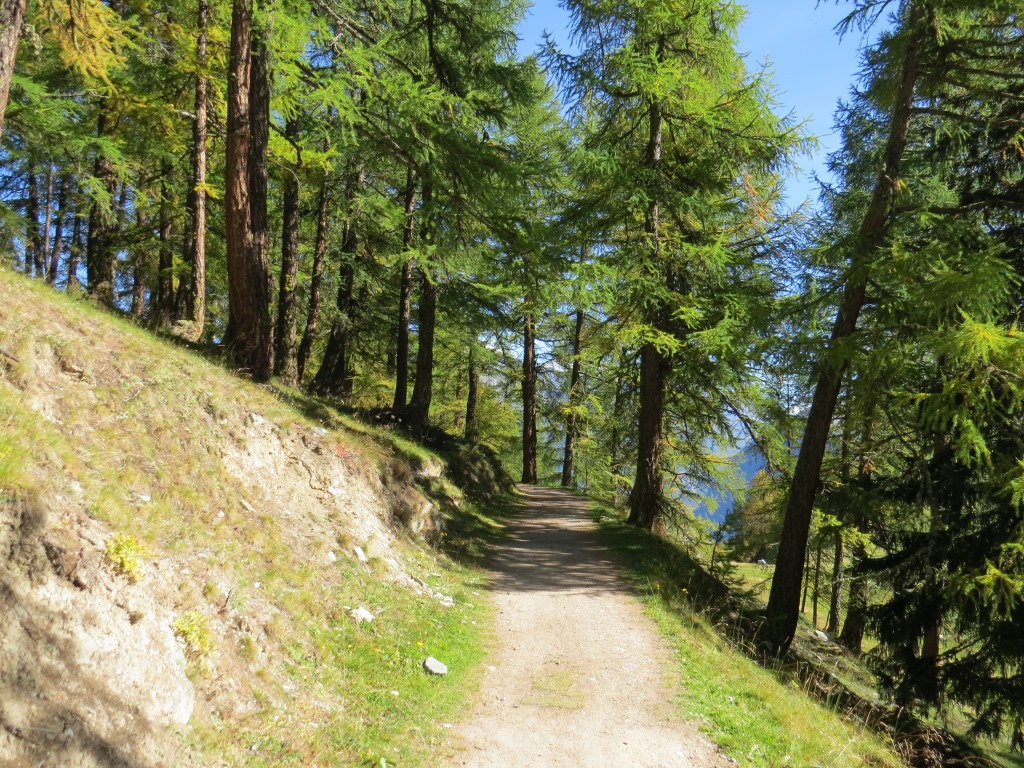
{"x":783,"y":601}
{"x":315,"y":286}
{"x":572,"y":419}
{"x":647,"y":497}
{"x":12,"y":16}
{"x":249,"y":331}
{"x":646,"y":501}
{"x":335,"y":375}
{"x":285,"y":363}
{"x":529,"y":401}
{"x":405,"y":294}
{"x":423,"y":386}
{"x":472,"y":398}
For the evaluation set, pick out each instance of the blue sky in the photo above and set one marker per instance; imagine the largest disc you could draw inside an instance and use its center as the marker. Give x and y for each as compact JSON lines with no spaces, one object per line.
{"x":812,"y":69}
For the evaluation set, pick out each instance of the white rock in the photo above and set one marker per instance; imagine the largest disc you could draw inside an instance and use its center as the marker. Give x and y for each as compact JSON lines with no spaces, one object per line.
{"x":360,"y":614}
{"x":319,"y":431}
{"x":434,"y":667}
{"x":332,"y":557}
{"x":821,"y":635}
{"x":361,"y":556}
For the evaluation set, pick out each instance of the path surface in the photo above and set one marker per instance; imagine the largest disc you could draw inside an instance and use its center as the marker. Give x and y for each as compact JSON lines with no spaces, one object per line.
{"x":580,"y":676}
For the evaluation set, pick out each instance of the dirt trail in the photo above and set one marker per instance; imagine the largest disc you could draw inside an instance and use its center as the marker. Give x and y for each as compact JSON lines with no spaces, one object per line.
{"x":580,"y":676}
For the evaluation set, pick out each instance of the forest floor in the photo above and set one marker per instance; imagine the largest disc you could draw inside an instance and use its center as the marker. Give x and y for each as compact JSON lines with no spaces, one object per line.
{"x":579,"y":674}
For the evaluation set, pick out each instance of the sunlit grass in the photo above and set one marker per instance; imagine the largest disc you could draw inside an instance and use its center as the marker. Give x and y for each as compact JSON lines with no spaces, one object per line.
{"x":753,"y":715}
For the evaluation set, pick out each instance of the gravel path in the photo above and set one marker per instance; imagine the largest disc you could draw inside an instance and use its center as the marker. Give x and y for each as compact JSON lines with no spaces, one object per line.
{"x":580,"y":676}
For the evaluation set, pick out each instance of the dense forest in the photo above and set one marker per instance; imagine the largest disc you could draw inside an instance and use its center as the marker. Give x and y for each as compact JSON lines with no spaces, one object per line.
{"x":583,"y":260}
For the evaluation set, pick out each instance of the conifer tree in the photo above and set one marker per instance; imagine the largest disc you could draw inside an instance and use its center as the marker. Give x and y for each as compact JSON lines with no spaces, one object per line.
{"x":665,"y":91}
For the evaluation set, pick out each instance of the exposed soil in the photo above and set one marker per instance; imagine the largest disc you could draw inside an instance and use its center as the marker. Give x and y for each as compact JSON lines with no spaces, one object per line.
{"x":580,"y":676}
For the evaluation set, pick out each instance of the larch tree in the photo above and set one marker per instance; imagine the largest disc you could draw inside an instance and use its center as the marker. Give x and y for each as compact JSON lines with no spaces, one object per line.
{"x":673,"y":122}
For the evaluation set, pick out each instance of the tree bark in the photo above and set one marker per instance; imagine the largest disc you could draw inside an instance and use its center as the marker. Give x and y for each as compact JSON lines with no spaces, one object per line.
{"x":647,"y":497}
{"x":572,"y":419}
{"x":472,"y":432}
{"x":34,"y":239}
{"x":99,"y":246}
{"x":852,"y":636}
{"x":315,"y":286}
{"x":76,"y":248}
{"x":44,"y":251}
{"x":334,"y":377}
{"x":529,"y":388}
{"x":832,"y":623}
{"x":423,"y":386}
{"x":817,"y":585}
{"x":405,"y":294}
{"x":249,"y":331}
{"x":194,"y":304}
{"x":783,"y":601}
{"x":646,"y":501}
{"x":285,"y":363}
{"x":163,"y":309}
{"x":12,"y":17}
{"x":63,"y":183}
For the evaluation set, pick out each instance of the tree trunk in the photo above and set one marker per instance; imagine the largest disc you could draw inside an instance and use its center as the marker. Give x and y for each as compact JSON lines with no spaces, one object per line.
{"x":852,"y":635}
{"x":44,"y":251}
{"x":529,"y":401}
{"x":315,"y":286}
{"x":194,"y":304}
{"x":572,"y":419}
{"x":285,"y":364}
{"x":782,"y":612}
{"x":807,"y":581}
{"x":12,"y":16}
{"x":472,"y":397}
{"x":646,"y":498}
{"x":58,"y":228}
{"x":335,"y":376}
{"x":646,"y":501}
{"x":832,"y":624}
{"x":163,"y":302}
{"x":76,"y":248}
{"x":34,"y":257}
{"x":99,"y":246}
{"x":249,"y":331}
{"x":423,"y":386}
{"x":817,"y":585}
{"x":405,"y":294}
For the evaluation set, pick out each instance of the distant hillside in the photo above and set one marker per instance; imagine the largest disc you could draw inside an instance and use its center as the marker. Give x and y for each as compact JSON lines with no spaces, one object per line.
{"x":746,"y":462}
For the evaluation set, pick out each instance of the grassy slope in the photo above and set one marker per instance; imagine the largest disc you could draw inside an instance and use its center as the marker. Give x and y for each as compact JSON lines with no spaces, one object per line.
{"x":756,"y":718}
{"x":102,"y":419}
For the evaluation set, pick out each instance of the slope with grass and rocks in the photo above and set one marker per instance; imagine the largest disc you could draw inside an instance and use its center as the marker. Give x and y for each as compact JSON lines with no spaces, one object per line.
{"x":185,"y":556}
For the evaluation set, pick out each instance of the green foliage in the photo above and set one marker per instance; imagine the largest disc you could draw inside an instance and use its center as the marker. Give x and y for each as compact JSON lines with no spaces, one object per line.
{"x":126,"y":554}
{"x":192,"y":628}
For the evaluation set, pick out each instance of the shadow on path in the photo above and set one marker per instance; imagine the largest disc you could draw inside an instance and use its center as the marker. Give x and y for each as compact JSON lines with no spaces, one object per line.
{"x":553,"y":547}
